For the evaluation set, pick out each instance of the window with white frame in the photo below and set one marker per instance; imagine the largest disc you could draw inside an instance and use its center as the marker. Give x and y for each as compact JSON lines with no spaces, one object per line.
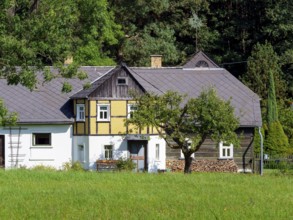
{"x":103,"y":112}
{"x":80,"y":112}
{"x":108,"y":152}
{"x":157,"y":152}
{"x":131,"y":108}
{"x":42,"y":139}
{"x":225,"y":150}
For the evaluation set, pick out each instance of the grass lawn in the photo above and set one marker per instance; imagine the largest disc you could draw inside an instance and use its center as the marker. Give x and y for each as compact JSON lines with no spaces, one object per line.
{"x":26,"y":194}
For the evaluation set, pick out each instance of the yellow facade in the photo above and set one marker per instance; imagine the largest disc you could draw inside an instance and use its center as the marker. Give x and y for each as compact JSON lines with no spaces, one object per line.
{"x":80,"y":128}
{"x":103,"y":128}
{"x":118,"y":115}
{"x":93,"y":125}
{"x":118,"y":108}
{"x":117,"y":126}
{"x":93,"y":107}
{"x":103,"y":102}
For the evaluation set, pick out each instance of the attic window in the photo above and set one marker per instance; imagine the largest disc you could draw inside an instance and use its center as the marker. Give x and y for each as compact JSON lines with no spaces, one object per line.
{"x":121,"y":81}
{"x":201,"y":63}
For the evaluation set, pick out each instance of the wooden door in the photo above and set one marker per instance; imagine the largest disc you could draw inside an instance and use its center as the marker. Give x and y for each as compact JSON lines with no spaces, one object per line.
{"x":138,"y":152}
{"x":2,"y":151}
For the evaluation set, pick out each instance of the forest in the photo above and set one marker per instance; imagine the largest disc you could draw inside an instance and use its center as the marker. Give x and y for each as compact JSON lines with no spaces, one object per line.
{"x":251,"y":39}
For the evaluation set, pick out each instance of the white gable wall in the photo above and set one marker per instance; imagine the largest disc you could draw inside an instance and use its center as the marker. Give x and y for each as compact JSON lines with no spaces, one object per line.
{"x":20,"y":150}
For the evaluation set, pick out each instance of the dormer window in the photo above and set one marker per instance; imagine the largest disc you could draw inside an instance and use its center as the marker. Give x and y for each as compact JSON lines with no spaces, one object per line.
{"x":122,"y":81}
{"x":201,"y":63}
{"x":80,"y":112}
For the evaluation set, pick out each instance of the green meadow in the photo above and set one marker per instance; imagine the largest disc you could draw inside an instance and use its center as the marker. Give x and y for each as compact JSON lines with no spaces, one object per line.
{"x":27,"y":194}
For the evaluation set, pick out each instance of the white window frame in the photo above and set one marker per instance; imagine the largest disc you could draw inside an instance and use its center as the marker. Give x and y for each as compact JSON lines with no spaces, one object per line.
{"x":107,"y":111}
{"x":34,"y":134}
{"x":129,"y":110}
{"x":225,"y":151}
{"x":108,"y":152}
{"x":80,"y":115}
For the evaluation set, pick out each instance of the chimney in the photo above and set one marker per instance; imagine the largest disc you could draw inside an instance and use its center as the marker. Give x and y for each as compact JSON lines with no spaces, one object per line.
{"x":156,"y":61}
{"x":69,"y":60}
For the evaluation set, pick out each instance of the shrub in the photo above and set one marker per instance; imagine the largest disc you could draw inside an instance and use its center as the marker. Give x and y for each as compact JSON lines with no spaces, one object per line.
{"x":125,"y":164}
{"x":74,"y":166}
{"x":276,"y":142}
{"x":43,"y":168}
{"x":77,"y":166}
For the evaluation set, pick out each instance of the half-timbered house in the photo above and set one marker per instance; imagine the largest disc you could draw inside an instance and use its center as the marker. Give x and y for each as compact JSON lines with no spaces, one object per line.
{"x":87,"y":125}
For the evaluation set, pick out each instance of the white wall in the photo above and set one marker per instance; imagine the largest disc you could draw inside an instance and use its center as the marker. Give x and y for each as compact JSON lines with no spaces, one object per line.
{"x":94,"y":150}
{"x":64,"y":148}
{"x":19,"y":149}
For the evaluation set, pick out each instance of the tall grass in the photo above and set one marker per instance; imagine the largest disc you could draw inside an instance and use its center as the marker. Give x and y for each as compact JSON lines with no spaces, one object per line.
{"x":28,"y":194}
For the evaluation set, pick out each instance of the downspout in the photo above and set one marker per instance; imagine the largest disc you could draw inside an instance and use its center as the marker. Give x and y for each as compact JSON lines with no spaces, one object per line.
{"x":261,"y":151}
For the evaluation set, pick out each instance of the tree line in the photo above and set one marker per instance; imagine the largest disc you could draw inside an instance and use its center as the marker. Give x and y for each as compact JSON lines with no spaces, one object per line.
{"x":249,"y":38}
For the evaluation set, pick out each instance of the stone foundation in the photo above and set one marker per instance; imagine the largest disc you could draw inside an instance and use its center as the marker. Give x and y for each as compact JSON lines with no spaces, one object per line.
{"x":203,"y":166}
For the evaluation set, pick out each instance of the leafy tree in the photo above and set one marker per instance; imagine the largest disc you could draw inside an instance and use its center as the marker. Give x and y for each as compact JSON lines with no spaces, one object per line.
{"x":160,"y":27}
{"x":6,"y":118}
{"x":187,"y":122}
{"x":262,"y":60}
{"x":35,"y":34}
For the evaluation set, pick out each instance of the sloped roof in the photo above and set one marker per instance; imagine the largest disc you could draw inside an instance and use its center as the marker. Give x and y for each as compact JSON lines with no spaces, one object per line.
{"x":193,"y":81}
{"x":47,"y":104}
{"x":99,"y":81}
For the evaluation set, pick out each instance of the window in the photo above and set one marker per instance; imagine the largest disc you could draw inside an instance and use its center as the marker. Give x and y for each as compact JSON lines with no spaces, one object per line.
{"x":81,"y":153}
{"x":41,"y":139}
{"x":108,"y":152}
{"x":80,"y":112}
{"x":157,"y":152}
{"x":131,"y":109}
{"x":121,"y":81}
{"x":226,"y":150}
{"x":103,"y":112}
{"x":201,"y":63}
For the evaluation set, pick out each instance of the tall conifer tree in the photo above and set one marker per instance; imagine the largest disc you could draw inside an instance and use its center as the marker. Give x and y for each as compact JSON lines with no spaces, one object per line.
{"x":272,"y":111}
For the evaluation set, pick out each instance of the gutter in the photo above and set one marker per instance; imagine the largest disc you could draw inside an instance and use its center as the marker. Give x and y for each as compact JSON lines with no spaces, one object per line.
{"x":261,"y":151}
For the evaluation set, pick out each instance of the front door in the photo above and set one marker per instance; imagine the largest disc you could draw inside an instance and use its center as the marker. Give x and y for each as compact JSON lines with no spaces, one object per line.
{"x":2,"y":151}
{"x":138,"y":152}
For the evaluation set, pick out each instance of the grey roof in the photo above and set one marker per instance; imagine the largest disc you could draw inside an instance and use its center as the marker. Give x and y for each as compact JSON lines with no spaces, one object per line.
{"x":99,"y":81}
{"x":193,"y":81}
{"x":47,"y":104}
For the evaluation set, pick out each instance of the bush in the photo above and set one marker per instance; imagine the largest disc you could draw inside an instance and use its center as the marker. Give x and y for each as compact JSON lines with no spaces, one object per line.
{"x":125,"y":164}
{"x":43,"y":168}
{"x":276,"y":142}
{"x":73,"y":166}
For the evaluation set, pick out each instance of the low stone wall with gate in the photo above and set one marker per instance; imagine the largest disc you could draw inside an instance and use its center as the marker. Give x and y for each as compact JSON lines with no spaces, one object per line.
{"x":203,"y":166}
